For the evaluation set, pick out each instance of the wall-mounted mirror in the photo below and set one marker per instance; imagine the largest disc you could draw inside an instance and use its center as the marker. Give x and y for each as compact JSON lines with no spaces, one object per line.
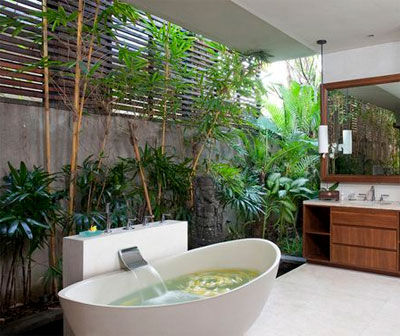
{"x":363,"y":118}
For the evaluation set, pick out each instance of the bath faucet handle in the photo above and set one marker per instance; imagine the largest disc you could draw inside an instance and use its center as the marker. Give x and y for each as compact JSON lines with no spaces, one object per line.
{"x":364,"y":196}
{"x":165,"y":216}
{"x":383,"y":196}
{"x":351,"y":196}
{"x":147,"y":219}
{"x":129,"y":223}
{"x":108,"y":219}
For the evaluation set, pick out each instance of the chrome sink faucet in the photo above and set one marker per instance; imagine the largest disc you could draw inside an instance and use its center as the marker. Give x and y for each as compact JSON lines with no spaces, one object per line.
{"x":371,"y":194}
{"x":382,"y":198}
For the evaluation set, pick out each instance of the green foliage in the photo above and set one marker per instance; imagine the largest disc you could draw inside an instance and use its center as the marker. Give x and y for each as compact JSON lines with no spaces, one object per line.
{"x":292,"y":246}
{"x":231,"y":75}
{"x":98,"y":185}
{"x":26,"y":205}
{"x":28,"y":208}
{"x":239,"y":190}
{"x":118,"y":184}
{"x":291,"y":131}
{"x":282,"y":202}
{"x":280,"y":155}
{"x":14,"y":25}
{"x":173,"y":174}
{"x":53,"y":273}
{"x":331,"y":188}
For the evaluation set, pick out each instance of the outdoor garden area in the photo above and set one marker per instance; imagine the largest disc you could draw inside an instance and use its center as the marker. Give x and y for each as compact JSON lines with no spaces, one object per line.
{"x":123,"y":116}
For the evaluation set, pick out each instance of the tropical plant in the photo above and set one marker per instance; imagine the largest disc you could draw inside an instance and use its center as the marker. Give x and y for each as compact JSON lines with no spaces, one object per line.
{"x":27,"y":210}
{"x":291,"y":131}
{"x":99,"y":185}
{"x":239,"y":190}
{"x":291,"y":246}
{"x":282,"y":203}
{"x":231,"y":75}
{"x":173,"y":174}
{"x":300,"y":110}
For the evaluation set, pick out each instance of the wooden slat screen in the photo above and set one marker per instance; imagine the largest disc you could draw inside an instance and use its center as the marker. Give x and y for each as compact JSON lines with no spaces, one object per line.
{"x":18,"y":51}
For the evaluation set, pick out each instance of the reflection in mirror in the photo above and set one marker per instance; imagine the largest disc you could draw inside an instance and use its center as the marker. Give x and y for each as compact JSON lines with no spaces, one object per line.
{"x":372,"y":113}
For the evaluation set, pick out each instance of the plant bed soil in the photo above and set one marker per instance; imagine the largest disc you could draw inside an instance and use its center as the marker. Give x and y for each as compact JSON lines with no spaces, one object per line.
{"x":25,"y":318}
{"x":289,"y":263}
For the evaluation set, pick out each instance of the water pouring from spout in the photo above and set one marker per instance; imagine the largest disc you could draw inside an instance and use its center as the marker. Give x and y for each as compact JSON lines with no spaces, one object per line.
{"x":132,"y":260}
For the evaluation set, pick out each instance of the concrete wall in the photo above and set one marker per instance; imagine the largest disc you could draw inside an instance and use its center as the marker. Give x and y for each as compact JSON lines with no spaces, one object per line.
{"x":377,"y":60}
{"x":22,"y":137}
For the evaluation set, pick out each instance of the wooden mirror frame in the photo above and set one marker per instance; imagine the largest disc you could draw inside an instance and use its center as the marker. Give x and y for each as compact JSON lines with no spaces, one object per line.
{"x":325,"y":176}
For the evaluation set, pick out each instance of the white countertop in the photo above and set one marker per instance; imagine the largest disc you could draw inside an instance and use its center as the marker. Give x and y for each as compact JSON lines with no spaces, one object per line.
{"x":385,"y":205}
{"x":121,"y":230}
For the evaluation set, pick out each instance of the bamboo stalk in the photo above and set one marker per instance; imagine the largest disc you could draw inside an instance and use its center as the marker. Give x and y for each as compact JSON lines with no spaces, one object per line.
{"x":46,"y":89}
{"x":76,"y":108}
{"x":89,"y":65}
{"x":135,"y":145}
{"x":52,"y":237}
{"x":165,"y":112}
{"x":197,"y":158}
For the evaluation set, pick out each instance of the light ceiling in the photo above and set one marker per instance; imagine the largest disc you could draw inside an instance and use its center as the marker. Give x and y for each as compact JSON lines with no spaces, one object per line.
{"x":284,"y":28}
{"x":386,"y":96}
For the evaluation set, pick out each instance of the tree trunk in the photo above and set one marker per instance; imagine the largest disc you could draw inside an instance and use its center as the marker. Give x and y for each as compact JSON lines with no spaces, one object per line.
{"x":141,"y":171}
{"x":165,"y":110}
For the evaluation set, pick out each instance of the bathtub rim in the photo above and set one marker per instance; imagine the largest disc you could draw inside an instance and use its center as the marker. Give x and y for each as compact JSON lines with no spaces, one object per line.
{"x":61,"y":293}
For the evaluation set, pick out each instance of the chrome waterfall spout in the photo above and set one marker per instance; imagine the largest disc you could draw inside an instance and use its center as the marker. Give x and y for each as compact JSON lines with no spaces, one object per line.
{"x":109,"y":221}
{"x":131,"y":258}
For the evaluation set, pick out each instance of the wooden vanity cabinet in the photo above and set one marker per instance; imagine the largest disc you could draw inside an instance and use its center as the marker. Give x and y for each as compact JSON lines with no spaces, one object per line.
{"x":359,"y":238}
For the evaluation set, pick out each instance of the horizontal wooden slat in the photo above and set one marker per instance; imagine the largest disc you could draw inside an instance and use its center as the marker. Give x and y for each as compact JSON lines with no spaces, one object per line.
{"x":21,"y":67}
{"x":20,"y":92}
{"x":21,"y":75}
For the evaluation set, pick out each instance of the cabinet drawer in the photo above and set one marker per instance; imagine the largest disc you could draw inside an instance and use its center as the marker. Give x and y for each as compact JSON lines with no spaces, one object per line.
{"x":365,"y":217}
{"x":364,"y":236}
{"x":364,"y":257}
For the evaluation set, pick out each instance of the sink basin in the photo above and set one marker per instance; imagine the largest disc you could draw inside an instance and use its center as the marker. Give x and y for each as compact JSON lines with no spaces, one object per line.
{"x":371,"y":203}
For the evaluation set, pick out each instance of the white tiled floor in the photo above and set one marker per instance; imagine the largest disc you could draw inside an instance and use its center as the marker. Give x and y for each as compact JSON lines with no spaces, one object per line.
{"x":320,"y":301}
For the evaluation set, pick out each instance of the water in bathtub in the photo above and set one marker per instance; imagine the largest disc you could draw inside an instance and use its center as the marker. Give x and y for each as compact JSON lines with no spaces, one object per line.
{"x":187,"y":287}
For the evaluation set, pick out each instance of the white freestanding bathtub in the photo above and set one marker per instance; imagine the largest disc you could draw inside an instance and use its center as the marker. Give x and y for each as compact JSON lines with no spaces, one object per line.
{"x":87,"y":311}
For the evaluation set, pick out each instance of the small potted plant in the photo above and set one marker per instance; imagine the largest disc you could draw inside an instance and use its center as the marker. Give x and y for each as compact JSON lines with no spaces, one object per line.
{"x":330,"y":194}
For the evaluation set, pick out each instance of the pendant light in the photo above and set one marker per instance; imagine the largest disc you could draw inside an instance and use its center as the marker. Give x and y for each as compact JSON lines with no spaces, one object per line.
{"x":323,"y":142}
{"x":347,"y":134}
